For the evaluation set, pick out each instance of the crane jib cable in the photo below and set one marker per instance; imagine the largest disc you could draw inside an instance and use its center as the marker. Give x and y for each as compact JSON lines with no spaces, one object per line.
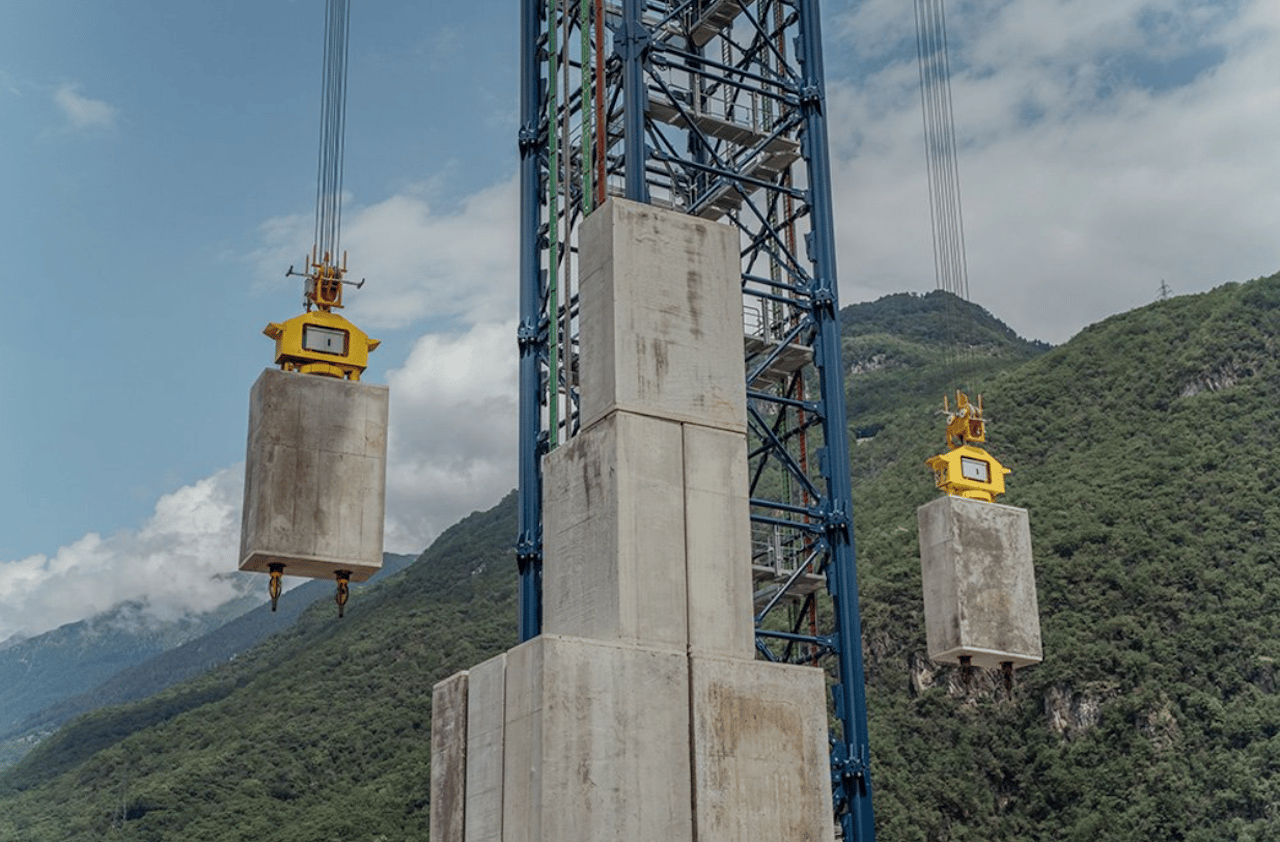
{"x":950,"y":262}
{"x":333,"y":118}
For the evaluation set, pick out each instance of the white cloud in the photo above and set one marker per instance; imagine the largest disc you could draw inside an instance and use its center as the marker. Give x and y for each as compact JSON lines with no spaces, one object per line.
{"x":176,"y":564}
{"x":1089,"y":170}
{"x":81,"y":111}
{"x":452,"y":445}
{"x":419,"y":263}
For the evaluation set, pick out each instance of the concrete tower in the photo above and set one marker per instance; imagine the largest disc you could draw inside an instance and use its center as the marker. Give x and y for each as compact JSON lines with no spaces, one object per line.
{"x":640,"y":713}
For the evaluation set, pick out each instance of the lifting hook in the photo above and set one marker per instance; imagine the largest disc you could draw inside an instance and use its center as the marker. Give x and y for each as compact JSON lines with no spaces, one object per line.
{"x":344,"y":590}
{"x":274,"y":586}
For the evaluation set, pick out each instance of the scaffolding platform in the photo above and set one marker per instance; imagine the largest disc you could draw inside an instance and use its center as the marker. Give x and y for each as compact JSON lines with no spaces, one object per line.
{"x":789,"y":360}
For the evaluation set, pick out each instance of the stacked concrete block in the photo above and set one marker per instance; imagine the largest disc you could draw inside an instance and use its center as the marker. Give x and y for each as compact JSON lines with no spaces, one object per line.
{"x":449,"y":751}
{"x":315,"y":476}
{"x":640,"y":713}
{"x":615,"y":492}
{"x":979,"y":583}
{"x":661,"y":304}
{"x":760,"y":764}
{"x":486,"y":730}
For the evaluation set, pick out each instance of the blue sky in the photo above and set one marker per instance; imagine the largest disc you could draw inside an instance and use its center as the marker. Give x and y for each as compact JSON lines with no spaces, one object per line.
{"x":158,"y":171}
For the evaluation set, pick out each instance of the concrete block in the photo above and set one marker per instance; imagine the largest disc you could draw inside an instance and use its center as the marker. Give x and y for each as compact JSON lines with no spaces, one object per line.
{"x":979,"y":583}
{"x":760,"y":758}
{"x":315,"y":476}
{"x":597,"y":743}
{"x":449,"y":758}
{"x":718,"y":542}
{"x":486,"y":720}
{"x":614,"y":540}
{"x":661,"y":304}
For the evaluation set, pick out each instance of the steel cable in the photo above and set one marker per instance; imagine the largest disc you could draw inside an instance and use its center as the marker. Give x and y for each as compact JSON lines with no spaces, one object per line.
{"x":950,"y":261}
{"x":333,"y":117}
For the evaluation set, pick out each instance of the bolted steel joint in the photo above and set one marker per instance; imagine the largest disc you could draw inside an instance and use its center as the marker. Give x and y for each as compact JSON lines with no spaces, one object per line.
{"x":526,"y":336}
{"x":527,"y":138}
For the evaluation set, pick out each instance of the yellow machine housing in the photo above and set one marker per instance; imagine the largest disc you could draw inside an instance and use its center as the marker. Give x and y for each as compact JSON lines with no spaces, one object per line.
{"x":969,"y":471}
{"x":321,"y":342}
{"x":966,"y":470}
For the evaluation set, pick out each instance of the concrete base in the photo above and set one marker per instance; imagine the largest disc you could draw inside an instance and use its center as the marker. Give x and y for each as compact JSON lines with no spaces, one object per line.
{"x":760,"y":759}
{"x":486,"y":750}
{"x":661,"y":303}
{"x":600,"y":742}
{"x":979,"y":583}
{"x":449,"y":757}
{"x":315,"y":476}
{"x":648,"y":537}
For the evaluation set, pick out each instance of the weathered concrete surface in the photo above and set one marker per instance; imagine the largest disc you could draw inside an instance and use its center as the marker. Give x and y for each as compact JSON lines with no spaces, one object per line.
{"x":614,"y":539}
{"x":315,"y":476}
{"x":979,"y":583}
{"x":647,"y":536}
{"x":597,"y":743}
{"x":661,"y":306}
{"x":486,"y":730}
{"x":449,"y":758}
{"x":640,"y":715}
{"x":760,"y":763}
{"x":718,"y":542}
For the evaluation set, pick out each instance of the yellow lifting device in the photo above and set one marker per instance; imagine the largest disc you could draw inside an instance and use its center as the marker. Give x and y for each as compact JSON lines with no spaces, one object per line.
{"x":321,"y":341}
{"x":966,"y":470}
{"x":315,"y":465}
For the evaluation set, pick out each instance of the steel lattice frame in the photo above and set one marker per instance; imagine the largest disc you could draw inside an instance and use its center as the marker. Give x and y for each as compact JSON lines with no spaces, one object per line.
{"x":723,"y":103}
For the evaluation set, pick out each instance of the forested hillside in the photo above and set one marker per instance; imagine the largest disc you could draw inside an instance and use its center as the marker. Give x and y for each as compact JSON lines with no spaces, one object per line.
{"x":48,"y":680}
{"x":1144,"y":450}
{"x":321,"y":733}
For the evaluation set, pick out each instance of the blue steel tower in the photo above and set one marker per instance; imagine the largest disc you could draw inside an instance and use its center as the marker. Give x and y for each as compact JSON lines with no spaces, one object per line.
{"x":714,"y":108}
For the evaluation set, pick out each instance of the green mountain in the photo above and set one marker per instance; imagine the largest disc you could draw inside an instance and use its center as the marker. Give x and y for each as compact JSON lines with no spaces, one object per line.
{"x":322,"y":732}
{"x":908,"y":350}
{"x":119,"y":656}
{"x":74,"y":658}
{"x":1144,"y":451}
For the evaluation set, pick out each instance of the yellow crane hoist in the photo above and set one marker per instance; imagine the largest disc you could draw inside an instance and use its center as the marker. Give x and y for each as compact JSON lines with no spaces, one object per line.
{"x":316,"y":461}
{"x":966,"y":470}
{"x":320,"y":341}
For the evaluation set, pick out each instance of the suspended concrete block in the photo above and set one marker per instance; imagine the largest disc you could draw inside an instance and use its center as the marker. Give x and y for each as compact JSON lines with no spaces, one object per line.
{"x":315,"y":476}
{"x":979,"y":583}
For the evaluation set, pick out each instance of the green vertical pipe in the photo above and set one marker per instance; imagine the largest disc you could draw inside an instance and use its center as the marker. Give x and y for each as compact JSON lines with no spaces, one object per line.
{"x":553,"y":233}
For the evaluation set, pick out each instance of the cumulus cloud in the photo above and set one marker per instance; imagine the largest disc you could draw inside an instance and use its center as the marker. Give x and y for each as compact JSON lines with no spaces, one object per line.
{"x":421,"y":263}
{"x":81,"y":111}
{"x":1103,"y":147}
{"x":452,"y":442}
{"x":176,"y":564}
